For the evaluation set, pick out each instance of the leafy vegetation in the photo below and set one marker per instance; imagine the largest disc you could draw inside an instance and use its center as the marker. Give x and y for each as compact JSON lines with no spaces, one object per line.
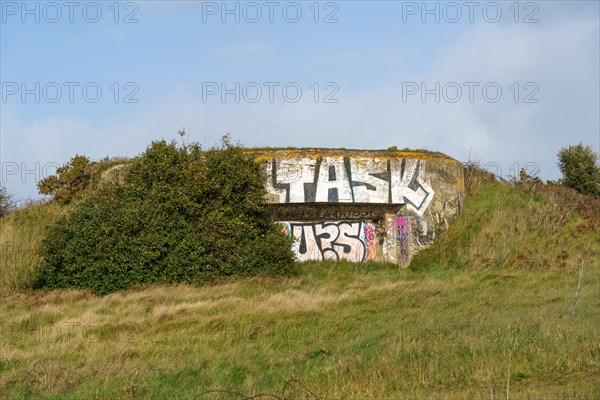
{"x":578,"y":163}
{"x":70,"y":181}
{"x":181,"y":215}
{"x":6,"y":202}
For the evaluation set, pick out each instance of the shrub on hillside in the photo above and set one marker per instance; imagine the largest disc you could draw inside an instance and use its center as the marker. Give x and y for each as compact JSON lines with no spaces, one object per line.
{"x":70,"y":181}
{"x":6,"y":202}
{"x":180,"y":216}
{"x":580,"y":170}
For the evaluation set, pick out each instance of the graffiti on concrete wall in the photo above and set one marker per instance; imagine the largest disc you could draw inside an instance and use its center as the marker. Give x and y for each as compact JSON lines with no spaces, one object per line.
{"x":349,"y":180}
{"x":361,"y":205}
{"x":403,"y":226}
{"x":390,"y":234}
{"x":330,"y":211}
{"x":420,"y":232}
{"x":388,"y":239}
{"x":371,"y":240}
{"x":339,"y":240}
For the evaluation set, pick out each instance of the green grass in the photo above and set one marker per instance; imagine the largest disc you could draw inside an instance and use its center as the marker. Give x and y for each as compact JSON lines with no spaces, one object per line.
{"x":486,"y":312}
{"x":343,"y":330}
{"x":506,"y":226}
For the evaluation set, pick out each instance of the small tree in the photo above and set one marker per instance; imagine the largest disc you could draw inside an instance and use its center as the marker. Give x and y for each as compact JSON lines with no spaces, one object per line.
{"x":6,"y":202}
{"x":578,"y":164}
{"x":69,"y":182}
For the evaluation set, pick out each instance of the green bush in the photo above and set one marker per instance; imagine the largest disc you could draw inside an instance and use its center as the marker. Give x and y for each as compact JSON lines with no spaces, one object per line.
{"x":180,"y":216}
{"x":6,"y":202}
{"x":70,"y":181}
{"x":580,"y":171}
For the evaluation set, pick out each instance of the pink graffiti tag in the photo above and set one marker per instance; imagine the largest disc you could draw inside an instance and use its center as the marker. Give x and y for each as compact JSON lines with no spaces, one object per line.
{"x":370,"y":240}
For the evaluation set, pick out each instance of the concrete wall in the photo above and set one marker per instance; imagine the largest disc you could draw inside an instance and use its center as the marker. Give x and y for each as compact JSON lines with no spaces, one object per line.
{"x":362,"y":205}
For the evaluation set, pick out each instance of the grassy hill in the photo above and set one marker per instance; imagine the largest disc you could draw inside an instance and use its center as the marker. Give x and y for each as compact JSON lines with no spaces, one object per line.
{"x":486,"y":312}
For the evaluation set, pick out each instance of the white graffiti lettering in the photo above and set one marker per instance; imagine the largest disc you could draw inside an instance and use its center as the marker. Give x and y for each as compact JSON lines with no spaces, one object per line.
{"x":349,"y":180}
{"x":328,"y":241}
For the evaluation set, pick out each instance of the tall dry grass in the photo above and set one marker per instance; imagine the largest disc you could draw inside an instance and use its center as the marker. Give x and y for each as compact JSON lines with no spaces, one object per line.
{"x":20,"y":236}
{"x":523,"y":224}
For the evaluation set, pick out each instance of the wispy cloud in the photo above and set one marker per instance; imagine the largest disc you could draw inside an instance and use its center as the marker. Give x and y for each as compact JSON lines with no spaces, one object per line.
{"x":560,"y":56}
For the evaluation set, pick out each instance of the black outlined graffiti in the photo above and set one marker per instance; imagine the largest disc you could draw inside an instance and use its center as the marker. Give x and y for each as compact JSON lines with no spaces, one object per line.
{"x":349,"y":180}
{"x":342,"y":240}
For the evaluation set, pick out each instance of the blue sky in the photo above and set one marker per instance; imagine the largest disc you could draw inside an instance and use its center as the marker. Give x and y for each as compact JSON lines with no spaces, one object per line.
{"x":368,"y":56}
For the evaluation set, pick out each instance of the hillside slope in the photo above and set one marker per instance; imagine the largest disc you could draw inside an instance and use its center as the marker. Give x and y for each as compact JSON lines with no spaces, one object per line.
{"x":486,"y":312}
{"x":518,"y":226}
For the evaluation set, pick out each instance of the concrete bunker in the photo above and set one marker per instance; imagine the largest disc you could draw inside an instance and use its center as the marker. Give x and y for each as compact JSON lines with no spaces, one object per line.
{"x":362,"y":205}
